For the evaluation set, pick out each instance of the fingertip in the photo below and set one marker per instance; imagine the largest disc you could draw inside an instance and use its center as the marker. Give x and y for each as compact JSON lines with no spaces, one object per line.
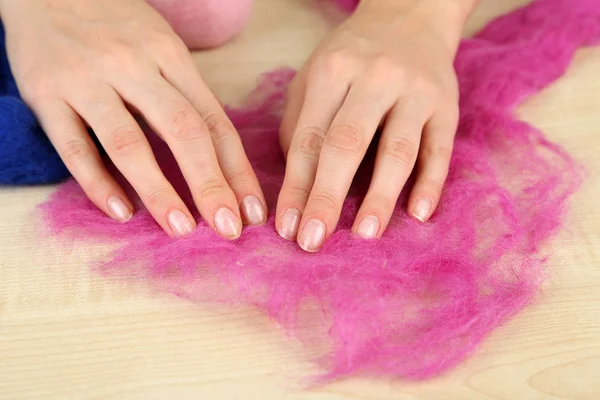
{"x":288,"y":226}
{"x":368,"y":227}
{"x":422,"y":209}
{"x":227,"y":223}
{"x":312,"y":236}
{"x":253,"y":211}
{"x":180,"y":223}
{"x":120,"y":208}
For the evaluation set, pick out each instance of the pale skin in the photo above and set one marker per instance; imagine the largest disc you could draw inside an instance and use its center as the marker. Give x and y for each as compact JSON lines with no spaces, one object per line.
{"x":101,"y":64}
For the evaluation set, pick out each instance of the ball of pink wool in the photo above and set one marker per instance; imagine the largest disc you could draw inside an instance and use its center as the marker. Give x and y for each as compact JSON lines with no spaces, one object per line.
{"x":205,"y":23}
{"x":347,"y":4}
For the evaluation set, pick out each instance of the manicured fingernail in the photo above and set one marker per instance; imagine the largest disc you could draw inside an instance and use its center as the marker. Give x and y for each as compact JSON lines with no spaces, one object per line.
{"x":253,"y":211}
{"x":289,"y":224}
{"x":312,"y":236}
{"x":180,"y":223}
{"x":368,"y":227}
{"x":119,"y":209}
{"x":227,"y":223}
{"x":422,"y":209}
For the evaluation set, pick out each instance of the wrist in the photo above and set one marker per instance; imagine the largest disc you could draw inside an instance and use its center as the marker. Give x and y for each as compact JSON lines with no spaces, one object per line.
{"x":457,"y":9}
{"x":9,"y":4}
{"x":11,"y":8}
{"x":446,"y":17}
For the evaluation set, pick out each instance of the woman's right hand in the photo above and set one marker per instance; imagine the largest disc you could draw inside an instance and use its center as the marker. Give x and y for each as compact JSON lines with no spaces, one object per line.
{"x":79,"y":62}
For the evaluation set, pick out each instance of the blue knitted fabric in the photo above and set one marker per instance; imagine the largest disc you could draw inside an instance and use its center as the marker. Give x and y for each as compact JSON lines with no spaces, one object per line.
{"x":26,"y":155}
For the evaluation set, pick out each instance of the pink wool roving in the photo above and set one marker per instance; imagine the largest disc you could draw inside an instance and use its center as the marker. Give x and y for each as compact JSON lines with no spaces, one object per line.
{"x":418,"y":301}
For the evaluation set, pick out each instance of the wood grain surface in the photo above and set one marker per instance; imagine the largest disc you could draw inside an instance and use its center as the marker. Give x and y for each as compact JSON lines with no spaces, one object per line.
{"x":66,"y":333}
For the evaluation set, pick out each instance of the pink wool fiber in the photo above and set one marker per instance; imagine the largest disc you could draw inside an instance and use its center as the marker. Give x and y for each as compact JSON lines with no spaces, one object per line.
{"x":418,"y":301}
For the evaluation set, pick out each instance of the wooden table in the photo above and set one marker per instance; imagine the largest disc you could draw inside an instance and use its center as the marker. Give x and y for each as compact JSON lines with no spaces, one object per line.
{"x":68,"y":334}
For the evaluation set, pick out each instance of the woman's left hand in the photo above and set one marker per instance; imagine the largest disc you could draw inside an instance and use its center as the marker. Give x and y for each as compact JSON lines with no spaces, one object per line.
{"x":386,"y":66}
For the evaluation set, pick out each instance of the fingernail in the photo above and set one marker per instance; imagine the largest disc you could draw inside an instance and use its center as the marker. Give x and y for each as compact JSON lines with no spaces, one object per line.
{"x":253,"y":211}
{"x":422,"y":209}
{"x":289,"y":224}
{"x":227,"y":223}
{"x":179,"y":223}
{"x":119,"y":209}
{"x":368,"y":227}
{"x":312,"y":236}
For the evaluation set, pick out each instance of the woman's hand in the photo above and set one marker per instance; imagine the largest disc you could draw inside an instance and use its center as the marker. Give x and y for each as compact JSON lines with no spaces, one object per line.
{"x":81,"y":62}
{"x":389,"y":64}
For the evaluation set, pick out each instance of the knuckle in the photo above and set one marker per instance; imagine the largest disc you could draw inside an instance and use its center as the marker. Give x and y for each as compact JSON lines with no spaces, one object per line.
{"x":310,"y":141}
{"x":400,"y":149}
{"x":345,"y":138}
{"x":75,"y":152}
{"x":239,"y":176}
{"x":185,"y":127}
{"x":298,"y":191}
{"x":212,"y":187}
{"x":125,"y":140}
{"x":157,"y":196}
{"x":119,"y":57}
{"x":333,"y":64}
{"x":219,"y":126}
{"x":380,"y":200}
{"x":170,"y":46}
{"x":325,"y":200}
{"x":438,"y":151}
{"x":38,"y":90}
{"x":386,"y":67}
{"x":426,"y":87}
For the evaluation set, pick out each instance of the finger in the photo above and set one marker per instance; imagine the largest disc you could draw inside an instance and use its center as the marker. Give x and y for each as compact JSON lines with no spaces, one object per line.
{"x":69,"y":136}
{"x":186,"y":134}
{"x":294,"y":98}
{"x":128,"y":148}
{"x":343,"y":149}
{"x":433,"y":162}
{"x":322,"y":101}
{"x":228,"y":147}
{"x":396,"y":155}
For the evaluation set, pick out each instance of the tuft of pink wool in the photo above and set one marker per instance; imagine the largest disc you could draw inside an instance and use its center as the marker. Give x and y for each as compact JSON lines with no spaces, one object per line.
{"x":421,"y":299}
